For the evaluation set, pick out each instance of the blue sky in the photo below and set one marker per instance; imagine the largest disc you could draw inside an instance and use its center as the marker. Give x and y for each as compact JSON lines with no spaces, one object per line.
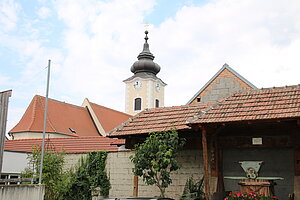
{"x":92,"y":45}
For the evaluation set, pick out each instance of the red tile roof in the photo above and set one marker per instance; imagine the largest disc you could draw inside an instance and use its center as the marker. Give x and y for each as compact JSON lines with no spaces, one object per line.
{"x":61,"y":116}
{"x":109,"y":118}
{"x":68,"y":144}
{"x":158,"y":119}
{"x":260,"y":104}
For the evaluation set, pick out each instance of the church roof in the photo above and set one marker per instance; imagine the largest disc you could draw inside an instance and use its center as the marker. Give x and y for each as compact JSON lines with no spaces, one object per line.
{"x":224,"y":67}
{"x":67,"y":119}
{"x":158,"y":119}
{"x":108,"y":117}
{"x":67,"y":144}
{"x":260,"y":104}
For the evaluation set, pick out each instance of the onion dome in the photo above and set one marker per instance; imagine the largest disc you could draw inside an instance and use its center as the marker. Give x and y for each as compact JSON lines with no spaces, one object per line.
{"x":145,"y":61}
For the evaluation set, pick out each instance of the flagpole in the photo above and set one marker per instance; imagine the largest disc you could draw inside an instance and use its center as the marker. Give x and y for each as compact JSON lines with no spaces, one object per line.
{"x":45,"y":122}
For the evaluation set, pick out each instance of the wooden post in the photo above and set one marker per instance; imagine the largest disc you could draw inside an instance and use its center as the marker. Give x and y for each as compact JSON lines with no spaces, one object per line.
{"x":205,"y":164}
{"x":135,"y":186}
{"x":4,"y":96}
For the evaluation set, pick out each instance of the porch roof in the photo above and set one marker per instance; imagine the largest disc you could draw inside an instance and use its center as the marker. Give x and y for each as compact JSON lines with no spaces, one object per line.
{"x":260,"y":104}
{"x":158,"y":119}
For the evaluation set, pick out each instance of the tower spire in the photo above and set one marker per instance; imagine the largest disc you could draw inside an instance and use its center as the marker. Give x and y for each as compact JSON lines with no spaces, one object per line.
{"x":146,"y":51}
{"x":145,"y":60}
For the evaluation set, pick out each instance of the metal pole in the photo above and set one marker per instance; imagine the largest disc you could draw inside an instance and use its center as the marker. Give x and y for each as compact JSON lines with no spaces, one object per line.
{"x":45,"y":122}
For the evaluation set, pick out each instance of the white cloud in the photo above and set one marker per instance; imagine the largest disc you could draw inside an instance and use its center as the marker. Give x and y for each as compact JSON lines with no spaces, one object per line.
{"x":101,"y":39}
{"x":8,"y":14}
{"x":100,"y":47}
{"x":257,"y":38}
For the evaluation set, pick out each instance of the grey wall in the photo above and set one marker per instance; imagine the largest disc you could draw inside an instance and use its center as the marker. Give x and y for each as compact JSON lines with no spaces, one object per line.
{"x":14,"y":162}
{"x":22,"y":192}
{"x":277,"y":163}
{"x":221,"y":88}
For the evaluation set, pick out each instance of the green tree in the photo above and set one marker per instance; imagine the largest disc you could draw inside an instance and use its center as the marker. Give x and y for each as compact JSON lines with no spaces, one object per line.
{"x":53,"y":176}
{"x":155,"y":159}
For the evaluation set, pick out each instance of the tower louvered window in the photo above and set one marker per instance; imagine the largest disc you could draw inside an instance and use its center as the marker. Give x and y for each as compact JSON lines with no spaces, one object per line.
{"x":137,"y":104}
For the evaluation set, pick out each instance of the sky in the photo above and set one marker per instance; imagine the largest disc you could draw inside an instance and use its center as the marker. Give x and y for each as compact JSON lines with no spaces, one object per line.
{"x":93,"y":43}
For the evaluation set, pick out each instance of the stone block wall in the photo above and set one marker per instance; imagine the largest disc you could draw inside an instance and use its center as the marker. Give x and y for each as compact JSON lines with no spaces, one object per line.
{"x":119,"y":169}
{"x":224,"y":85}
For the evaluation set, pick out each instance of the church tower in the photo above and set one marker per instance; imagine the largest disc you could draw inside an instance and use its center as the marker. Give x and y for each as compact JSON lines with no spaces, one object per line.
{"x":144,"y":89}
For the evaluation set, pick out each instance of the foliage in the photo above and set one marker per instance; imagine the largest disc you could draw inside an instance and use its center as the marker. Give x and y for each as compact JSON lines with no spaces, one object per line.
{"x":86,"y":176}
{"x":193,"y":190}
{"x":53,"y":176}
{"x":249,"y":196}
{"x":155,"y":159}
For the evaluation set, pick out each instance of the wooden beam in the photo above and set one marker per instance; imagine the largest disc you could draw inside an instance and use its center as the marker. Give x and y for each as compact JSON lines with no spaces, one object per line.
{"x":205,"y":164}
{"x":135,"y":186}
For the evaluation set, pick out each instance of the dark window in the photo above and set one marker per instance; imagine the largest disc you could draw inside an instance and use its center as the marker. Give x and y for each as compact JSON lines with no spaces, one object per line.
{"x":198,"y":99}
{"x":156,"y":103}
{"x":138,"y":104}
{"x":72,"y":130}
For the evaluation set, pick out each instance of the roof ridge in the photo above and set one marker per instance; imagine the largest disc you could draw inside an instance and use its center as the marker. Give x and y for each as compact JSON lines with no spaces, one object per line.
{"x":181,"y":106}
{"x":266,"y":89}
{"x":47,"y":117}
{"x":281,"y":87}
{"x":203,"y":112}
{"x":62,"y":102}
{"x":34,"y":101}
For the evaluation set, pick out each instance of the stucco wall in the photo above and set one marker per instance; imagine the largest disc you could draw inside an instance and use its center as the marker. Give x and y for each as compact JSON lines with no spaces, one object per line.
{"x":14,"y":162}
{"x":29,"y":135}
{"x":119,"y":168}
{"x":147,"y":92}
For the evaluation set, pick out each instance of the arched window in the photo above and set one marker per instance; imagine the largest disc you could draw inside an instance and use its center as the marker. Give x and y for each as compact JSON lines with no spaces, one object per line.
{"x":137,"y":104}
{"x":156,"y":103}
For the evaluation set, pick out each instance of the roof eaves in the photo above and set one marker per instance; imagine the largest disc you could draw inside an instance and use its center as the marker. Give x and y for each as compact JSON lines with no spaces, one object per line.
{"x":153,"y":77}
{"x":225,"y":66}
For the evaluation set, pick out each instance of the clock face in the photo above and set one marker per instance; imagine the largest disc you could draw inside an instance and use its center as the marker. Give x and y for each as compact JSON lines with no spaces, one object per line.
{"x":137,"y":84}
{"x":157,"y":87}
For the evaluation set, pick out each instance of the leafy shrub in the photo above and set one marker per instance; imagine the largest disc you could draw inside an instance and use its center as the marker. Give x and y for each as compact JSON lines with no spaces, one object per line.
{"x":53,"y":175}
{"x":193,"y":190}
{"x":86,"y":176}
